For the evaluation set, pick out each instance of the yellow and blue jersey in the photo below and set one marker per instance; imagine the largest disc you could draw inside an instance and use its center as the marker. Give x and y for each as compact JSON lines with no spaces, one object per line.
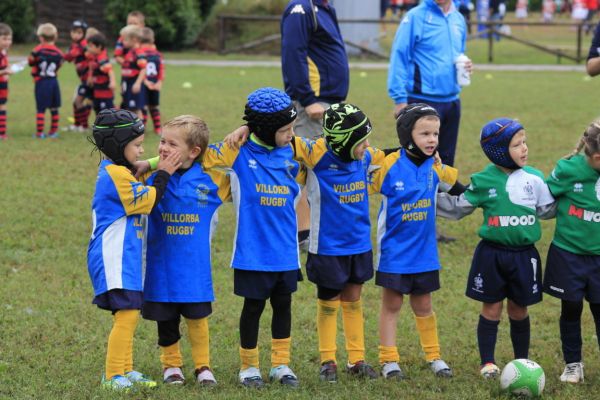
{"x":180,"y":228}
{"x":265,"y":190}
{"x":118,"y":215}
{"x":406,"y":241}
{"x":338,"y":197}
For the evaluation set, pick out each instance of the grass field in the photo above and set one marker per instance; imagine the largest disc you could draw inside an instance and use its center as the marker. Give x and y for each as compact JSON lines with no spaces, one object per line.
{"x":53,"y":339}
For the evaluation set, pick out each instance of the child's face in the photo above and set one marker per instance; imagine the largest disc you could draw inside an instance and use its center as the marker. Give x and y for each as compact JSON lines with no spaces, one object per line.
{"x":284,"y":135}
{"x":93,"y":49}
{"x":133,"y":20}
{"x":360,"y":149}
{"x":517,"y":148}
{"x":134,"y":149}
{"x":76,"y":34}
{"x":5,"y":42}
{"x":594,"y":161}
{"x":173,"y":139}
{"x":425,"y":134}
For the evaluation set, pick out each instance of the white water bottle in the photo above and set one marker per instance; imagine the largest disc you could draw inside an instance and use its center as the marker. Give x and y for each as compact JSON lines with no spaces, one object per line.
{"x":463,"y":77}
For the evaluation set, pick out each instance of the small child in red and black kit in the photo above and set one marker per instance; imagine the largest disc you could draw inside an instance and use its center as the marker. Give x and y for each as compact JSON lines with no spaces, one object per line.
{"x":45,"y":60}
{"x":5,"y":42}
{"x":133,"y":72}
{"x":101,"y":77}
{"x":76,"y":55}
{"x":136,"y":18}
{"x":155,"y":73}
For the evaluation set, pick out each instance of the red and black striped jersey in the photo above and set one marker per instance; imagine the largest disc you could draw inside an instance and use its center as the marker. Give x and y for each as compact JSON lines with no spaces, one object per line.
{"x":3,"y":65}
{"x":135,"y":60}
{"x":155,"y":68}
{"x":45,"y":60}
{"x":120,"y":49}
{"x":76,"y":55}
{"x":100,"y":67}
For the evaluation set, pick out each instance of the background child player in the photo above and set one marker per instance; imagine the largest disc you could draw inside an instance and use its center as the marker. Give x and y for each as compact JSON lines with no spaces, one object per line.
{"x":45,"y":60}
{"x":265,"y":259}
{"x":178,"y":278}
{"x":115,"y":249}
{"x":76,"y":55}
{"x":506,"y":263}
{"x":155,"y":74}
{"x":101,"y":77}
{"x":573,"y":262}
{"x":407,"y":261}
{"x":5,"y":42}
{"x":136,"y":18}
{"x":133,"y":72}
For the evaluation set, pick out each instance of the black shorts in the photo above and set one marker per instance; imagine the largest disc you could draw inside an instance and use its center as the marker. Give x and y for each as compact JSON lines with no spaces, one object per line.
{"x":47,"y":94}
{"x":572,"y":276}
{"x":119,"y":299}
{"x":102,"y":104}
{"x":159,"y":311}
{"x":261,"y":285}
{"x":419,"y":283}
{"x":499,"y":272}
{"x":84,"y":91}
{"x":152,"y":97}
{"x":334,"y":272}
{"x":132,"y":101}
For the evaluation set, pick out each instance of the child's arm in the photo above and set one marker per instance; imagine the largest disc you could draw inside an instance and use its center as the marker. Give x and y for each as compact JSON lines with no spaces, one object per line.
{"x":453,"y":207}
{"x":112,"y":83}
{"x":141,"y":62}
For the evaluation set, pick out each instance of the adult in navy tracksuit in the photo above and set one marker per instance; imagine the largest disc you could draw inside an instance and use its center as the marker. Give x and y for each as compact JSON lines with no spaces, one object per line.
{"x":313,"y":61}
{"x":593,"y":61}
{"x":428,"y":40}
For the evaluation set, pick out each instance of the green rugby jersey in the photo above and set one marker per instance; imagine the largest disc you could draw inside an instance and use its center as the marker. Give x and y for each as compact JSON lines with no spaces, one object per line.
{"x":576,"y":186}
{"x":509,"y":203}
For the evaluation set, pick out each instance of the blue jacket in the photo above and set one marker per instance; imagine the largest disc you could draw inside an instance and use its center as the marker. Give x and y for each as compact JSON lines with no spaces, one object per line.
{"x":314,"y":62}
{"x":422,"y":60}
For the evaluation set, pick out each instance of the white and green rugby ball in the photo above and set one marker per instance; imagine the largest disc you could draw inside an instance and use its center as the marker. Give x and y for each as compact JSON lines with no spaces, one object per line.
{"x":523,"y":377}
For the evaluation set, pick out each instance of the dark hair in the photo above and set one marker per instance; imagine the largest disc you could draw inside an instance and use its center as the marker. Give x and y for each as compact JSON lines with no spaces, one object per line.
{"x":98,"y":40}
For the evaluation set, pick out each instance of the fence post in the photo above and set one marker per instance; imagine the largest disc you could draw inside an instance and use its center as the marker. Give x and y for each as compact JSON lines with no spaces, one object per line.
{"x":490,"y":44}
{"x":221,"y":34}
{"x":579,"y":29}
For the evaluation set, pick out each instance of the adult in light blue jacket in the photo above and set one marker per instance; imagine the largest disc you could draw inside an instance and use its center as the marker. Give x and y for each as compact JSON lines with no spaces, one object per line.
{"x":428,"y":40}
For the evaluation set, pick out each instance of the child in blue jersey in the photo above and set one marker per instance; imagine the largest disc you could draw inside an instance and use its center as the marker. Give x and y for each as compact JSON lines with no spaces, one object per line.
{"x":573,"y":262}
{"x":407,"y":261}
{"x":506,"y":264}
{"x":115,"y":250}
{"x":265,"y":190}
{"x":178,"y":278}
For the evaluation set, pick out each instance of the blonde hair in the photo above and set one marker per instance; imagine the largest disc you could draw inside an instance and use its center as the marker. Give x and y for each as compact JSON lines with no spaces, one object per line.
{"x":589,"y":141}
{"x":139,"y":15}
{"x":91,"y":31}
{"x":194,"y":129}
{"x":5,"y":30}
{"x":147,"y":36}
{"x":47,"y":31}
{"x":132,"y":32}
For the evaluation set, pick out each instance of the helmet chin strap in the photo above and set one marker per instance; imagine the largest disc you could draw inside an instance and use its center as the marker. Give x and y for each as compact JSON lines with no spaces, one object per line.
{"x":413,"y":149}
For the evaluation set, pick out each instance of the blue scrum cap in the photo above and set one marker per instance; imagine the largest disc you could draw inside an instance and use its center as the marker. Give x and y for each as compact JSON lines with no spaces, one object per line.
{"x":267,"y":110}
{"x":495,"y":138}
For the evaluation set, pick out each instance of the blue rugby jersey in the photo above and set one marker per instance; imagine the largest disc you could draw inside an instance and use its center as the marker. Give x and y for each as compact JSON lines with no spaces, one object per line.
{"x":115,"y":249}
{"x":338,"y":196}
{"x":406,"y":242}
{"x":180,"y":228}
{"x":265,"y":191}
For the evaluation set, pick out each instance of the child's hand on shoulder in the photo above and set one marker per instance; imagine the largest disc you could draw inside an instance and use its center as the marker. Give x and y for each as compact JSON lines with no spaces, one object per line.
{"x":238,"y":137}
{"x":140,"y":168}
{"x":437,"y":159}
{"x":171,"y":163}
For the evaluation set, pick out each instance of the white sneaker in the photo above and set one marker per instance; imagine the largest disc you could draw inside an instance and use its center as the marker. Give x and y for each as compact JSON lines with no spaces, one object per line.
{"x":250,"y":377}
{"x":489,"y":371}
{"x":440,"y":368}
{"x":173,"y":376}
{"x":573,"y":373}
{"x":205,"y":377}
{"x":391,"y":370}
{"x":284,"y":375}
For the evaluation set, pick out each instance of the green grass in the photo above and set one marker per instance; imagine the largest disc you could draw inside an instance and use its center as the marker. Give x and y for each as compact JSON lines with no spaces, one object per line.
{"x":53,"y":338}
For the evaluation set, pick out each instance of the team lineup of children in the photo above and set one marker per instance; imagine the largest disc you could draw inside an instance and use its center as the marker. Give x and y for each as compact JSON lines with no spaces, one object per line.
{"x":142,"y":73}
{"x":262,"y":177}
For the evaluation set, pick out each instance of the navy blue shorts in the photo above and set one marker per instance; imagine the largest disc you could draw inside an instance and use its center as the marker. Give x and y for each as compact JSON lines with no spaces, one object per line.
{"x":572,"y":276}
{"x":102,"y":104}
{"x":420,"y":283}
{"x":261,"y":285}
{"x":159,"y":311}
{"x":132,"y":101}
{"x":334,"y":272}
{"x":85,"y":91}
{"x":499,"y":272}
{"x":152,"y":97}
{"x":47,"y":94}
{"x":119,"y":299}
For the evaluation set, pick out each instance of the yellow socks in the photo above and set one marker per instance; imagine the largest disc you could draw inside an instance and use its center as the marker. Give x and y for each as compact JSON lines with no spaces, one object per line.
{"x":427,"y":328}
{"x":280,"y":351}
{"x":249,"y":357}
{"x":170,"y":356}
{"x":354,"y":330}
{"x":388,"y":354}
{"x":327,"y":311}
{"x":120,"y":342}
{"x":199,"y":339}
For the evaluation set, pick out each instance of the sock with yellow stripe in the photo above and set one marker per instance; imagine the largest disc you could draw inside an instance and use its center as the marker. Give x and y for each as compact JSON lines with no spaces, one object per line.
{"x":354,"y":330}
{"x":427,"y":328}
{"x":199,"y":339}
{"x":120,"y":341}
{"x":388,"y":354}
{"x":327,"y":311}
{"x":249,"y":357}
{"x":280,"y":351}
{"x":170,"y":356}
